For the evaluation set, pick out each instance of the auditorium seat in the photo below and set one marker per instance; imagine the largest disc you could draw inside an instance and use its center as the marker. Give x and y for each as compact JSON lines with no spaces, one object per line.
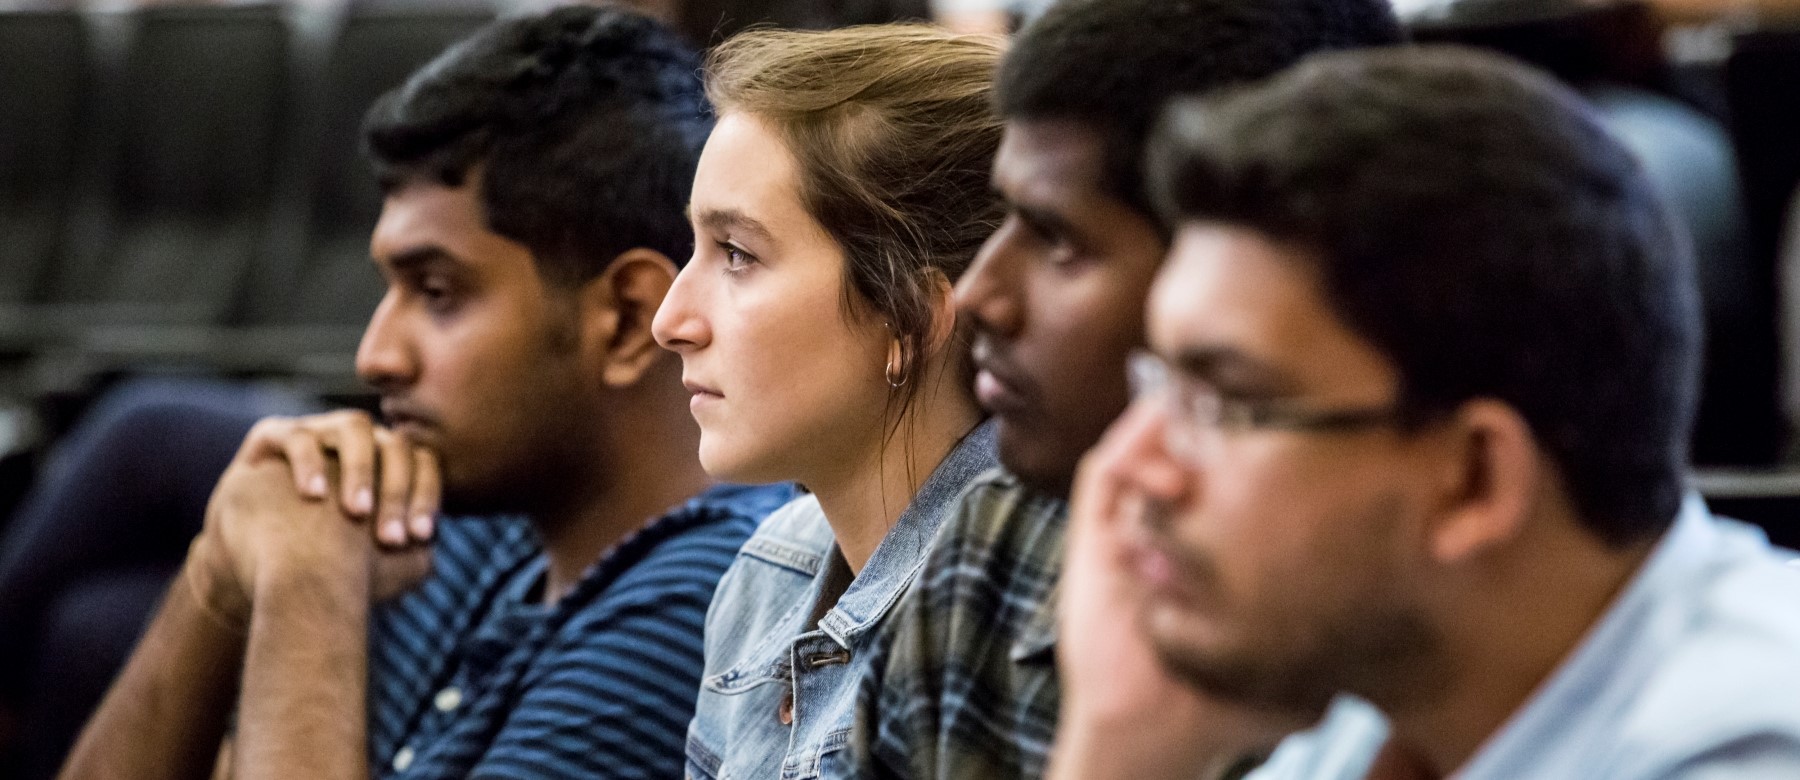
{"x":306,"y":301}
{"x":176,"y":185}
{"x":44,"y":81}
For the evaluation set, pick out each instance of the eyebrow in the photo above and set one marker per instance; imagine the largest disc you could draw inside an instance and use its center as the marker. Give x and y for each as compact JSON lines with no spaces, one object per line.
{"x":725,"y":220}
{"x":1225,"y":365}
{"x":1044,"y":219}
{"x":418,"y":257}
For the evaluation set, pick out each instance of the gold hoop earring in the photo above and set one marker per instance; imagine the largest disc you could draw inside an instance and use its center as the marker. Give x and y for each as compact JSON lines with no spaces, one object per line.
{"x":896,"y":365}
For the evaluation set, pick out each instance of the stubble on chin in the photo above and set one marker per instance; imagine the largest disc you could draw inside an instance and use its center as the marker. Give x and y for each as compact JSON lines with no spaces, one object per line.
{"x":1370,"y":639}
{"x":1379,"y":654}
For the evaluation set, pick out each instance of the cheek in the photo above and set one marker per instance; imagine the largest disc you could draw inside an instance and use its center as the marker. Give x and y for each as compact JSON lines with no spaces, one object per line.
{"x":1078,"y":311}
{"x":1073,"y":347}
{"x":1078,"y":335}
{"x":1277,"y":524}
{"x":489,"y":380}
{"x":779,"y":341}
{"x":797,"y":378}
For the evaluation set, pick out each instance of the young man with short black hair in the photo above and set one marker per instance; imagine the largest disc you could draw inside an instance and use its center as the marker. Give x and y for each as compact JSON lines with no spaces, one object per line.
{"x":535,"y":176}
{"x":967,"y":687}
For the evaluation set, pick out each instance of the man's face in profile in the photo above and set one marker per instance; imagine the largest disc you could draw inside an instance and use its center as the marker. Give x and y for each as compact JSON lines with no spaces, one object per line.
{"x":472,"y":350}
{"x":1057,"y":298}
{"x":1292,"y":566}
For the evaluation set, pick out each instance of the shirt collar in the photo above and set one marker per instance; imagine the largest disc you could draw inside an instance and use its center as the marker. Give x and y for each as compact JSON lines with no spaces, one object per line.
{"x":898,"y":558}
{"x":1620,"y":643}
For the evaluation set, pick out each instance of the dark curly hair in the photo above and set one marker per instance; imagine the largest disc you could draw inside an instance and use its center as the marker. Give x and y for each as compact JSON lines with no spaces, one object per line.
{"x":583,"y":126}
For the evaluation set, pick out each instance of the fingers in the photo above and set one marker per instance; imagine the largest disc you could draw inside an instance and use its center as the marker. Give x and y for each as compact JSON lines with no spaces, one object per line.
{"x":397,"y":466}
{"x":427,"y":495}
{"x":411,"y":489}
{"x":306,"y":461}
{"x":380,"y":475}
{"x":1106,"y":473}
{"x":283,"y":438}
{"x":351,"y":434}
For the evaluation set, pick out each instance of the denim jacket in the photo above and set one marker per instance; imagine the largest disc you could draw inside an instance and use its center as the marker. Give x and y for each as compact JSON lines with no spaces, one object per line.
{"x":778,"y":696}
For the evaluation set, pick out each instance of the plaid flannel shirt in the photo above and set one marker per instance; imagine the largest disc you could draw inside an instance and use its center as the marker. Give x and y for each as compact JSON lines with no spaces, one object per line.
{"x":965,"y":684}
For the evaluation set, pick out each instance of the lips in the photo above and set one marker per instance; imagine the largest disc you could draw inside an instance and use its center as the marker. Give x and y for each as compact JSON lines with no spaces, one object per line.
{"x":699,"y":389}
{"x":703,"y":394}
{"x":1000,"y":389}
{"x":410,"y":420}
{"x":1168,"y":571}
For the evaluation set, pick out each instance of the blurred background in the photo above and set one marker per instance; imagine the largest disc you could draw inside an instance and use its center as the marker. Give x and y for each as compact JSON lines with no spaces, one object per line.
{"x":182,"y":196}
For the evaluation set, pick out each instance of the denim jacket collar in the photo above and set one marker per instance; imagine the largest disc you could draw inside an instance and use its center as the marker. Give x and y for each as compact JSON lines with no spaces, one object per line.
{"x":898,"y":558}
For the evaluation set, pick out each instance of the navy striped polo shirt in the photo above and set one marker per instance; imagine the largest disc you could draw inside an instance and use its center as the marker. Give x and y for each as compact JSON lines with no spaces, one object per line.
{"x":469,"y":676}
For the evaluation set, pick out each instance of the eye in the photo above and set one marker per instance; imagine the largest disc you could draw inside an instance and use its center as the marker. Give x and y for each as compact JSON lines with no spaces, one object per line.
{"x":736,"y":259}
{"x":1235,"y":413}
{"x":1051,"y":244}
{"x":1035,"y":230}
{"x":438,"y":292}
{"x":1213,"y":406}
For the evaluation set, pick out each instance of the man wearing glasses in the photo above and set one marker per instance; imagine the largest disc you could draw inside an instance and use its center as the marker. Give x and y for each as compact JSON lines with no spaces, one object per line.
{"x":1410,"y":449}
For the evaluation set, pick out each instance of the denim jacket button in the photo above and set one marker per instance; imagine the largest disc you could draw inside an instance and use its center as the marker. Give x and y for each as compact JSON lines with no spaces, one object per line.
{"x":785,"y":713}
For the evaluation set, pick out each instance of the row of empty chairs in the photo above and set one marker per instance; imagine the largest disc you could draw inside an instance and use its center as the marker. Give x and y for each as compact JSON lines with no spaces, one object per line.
{"x":185,"y":183}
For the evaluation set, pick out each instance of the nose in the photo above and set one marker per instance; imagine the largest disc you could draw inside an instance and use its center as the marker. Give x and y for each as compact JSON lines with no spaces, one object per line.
{"x":1143,"y":454}
{"x":988,"y":293}
{"x":386,"y":359}
{"x":679,"y":325}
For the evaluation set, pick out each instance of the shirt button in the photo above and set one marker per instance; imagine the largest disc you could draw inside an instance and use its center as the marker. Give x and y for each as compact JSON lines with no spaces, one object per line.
{"x":403,"y":759}
{"x":448,"y":699}
{"x":785,"y":713}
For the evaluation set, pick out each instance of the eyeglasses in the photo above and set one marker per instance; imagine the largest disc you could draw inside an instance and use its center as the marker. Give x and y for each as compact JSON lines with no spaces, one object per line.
{"x":1195,"y":409}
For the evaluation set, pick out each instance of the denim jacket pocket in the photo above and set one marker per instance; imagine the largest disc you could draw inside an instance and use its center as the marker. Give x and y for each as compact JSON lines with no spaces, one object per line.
{"x":747,"y":675}
{"x":830,"y":759}
{"x":836,"y":761}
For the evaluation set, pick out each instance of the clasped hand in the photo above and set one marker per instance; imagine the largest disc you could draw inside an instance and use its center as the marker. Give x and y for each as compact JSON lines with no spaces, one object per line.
{"x":331,"y":495}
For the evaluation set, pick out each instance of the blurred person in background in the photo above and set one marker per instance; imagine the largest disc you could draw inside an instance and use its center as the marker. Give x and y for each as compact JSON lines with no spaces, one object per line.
{"x":93,"y":545}
{"x":534,"y":178}
{"x":987,"y":16}
{"x":1410,"y":451}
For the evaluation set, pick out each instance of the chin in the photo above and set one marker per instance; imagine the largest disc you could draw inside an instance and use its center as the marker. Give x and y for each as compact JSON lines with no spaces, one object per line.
{"x":1292,"y":679}
{"x":725,"y":463}
{"x":1034,"y":463}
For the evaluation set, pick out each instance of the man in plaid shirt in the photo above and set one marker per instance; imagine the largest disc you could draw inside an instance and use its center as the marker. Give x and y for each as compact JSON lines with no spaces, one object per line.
{"x":966,"y":685}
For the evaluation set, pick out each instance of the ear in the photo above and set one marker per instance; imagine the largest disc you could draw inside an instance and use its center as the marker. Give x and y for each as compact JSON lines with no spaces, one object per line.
{"x":1491,"y":481}
{"x":943,"y":311}
{"x":617,"y":309}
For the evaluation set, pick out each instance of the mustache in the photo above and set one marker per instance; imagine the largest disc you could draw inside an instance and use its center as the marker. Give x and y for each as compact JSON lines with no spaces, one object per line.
{"x":1154,"y":520}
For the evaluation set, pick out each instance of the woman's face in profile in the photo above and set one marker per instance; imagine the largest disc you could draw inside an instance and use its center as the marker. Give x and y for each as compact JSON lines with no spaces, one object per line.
{"x":785,"y":383}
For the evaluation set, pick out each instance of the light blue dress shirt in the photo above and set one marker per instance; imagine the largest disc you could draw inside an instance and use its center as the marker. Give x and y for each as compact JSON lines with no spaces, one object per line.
{"x":1693,"y":673}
